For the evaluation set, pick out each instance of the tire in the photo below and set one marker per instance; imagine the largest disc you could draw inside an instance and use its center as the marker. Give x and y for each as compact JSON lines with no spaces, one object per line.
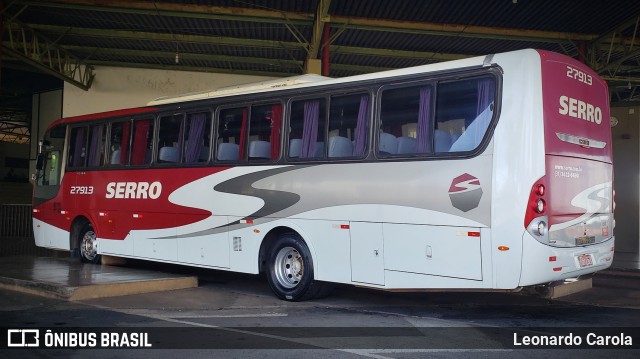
{"x":290,"y":270}
{"x":88,"y":245}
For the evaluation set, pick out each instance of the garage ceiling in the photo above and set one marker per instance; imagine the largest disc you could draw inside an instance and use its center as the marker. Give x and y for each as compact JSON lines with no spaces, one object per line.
{"x":67,"y":38}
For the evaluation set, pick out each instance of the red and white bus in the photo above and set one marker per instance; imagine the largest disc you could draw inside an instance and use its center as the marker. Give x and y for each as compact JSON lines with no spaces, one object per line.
{"x":488,"y":173}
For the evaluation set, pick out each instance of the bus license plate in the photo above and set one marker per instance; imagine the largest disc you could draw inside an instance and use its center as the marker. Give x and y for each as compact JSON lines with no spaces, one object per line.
{"x":585,"y":260}
{"x":580,"y":241}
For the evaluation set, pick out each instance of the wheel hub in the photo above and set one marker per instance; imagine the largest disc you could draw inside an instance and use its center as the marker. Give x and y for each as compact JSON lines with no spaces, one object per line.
{"x":288,"y":267}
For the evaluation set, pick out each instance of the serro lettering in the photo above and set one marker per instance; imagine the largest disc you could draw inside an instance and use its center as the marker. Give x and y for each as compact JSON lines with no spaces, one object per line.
{"x":137,"y":190}
{"x":579,"y":109}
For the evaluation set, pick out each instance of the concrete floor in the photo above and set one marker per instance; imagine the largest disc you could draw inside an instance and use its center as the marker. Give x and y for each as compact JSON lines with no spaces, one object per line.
{"x":626,"y":261}
{"x":67,"y":278}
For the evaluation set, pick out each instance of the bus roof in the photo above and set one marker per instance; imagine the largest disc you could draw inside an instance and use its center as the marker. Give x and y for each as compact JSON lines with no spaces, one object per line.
{"x":239,"y":89}
{"x":311,"y":80}
{"x":277,"y":84}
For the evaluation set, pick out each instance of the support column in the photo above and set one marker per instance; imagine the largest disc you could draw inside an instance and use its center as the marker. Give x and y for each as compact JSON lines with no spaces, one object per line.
{"x":325,"y":49}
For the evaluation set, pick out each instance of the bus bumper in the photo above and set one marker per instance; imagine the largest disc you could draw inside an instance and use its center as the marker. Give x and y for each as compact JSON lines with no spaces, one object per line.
{"x":544,"y":264}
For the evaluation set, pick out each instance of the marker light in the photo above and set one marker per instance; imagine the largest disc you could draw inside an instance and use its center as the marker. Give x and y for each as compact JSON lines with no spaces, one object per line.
{"x":540,"y":190}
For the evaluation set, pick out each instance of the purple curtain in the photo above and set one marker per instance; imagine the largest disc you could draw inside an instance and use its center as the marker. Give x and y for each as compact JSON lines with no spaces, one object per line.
{"x":180,"y":136}
{"x":486,"y":91}
{"x":196,"y":133}
{"x":310,"y":128}
{"x":361,"y":127}
{"x":95,"y":146}
{"x":424,"y":112}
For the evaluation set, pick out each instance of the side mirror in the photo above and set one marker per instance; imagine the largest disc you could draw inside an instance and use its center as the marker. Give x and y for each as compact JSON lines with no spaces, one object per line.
{"x":40,"y":162}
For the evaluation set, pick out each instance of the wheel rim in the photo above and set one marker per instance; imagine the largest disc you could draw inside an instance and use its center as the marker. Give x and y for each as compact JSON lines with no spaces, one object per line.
{"x":288,"y":267}
{"x":88,"y":246}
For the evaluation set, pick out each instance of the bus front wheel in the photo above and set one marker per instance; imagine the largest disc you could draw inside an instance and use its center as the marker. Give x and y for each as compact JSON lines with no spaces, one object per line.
{"x":88,"y":245}
{"x":290,"y":270}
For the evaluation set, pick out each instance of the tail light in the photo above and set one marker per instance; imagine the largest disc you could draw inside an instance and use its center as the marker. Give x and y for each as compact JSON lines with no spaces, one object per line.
{"x":536,"y":219}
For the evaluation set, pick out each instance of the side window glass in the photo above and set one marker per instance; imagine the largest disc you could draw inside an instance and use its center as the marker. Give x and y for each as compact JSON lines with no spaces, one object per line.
{"x":348,"y":125}
{"x":465,"y":109}
{"x":405,"y":119}
{"x":77,"y":147}
{"x":170,"y":138}
{"x":232,"y":134}
{"x":119,"y":140}
{"x":264,"y":132}
{"x":97,"y":137}
{"x":196,"y":147}
{"x":307,"y":132}
{"x":141,"y":148}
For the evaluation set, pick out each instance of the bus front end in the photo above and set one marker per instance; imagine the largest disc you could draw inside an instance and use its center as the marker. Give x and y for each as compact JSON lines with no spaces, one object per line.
{"x":569,"y":216}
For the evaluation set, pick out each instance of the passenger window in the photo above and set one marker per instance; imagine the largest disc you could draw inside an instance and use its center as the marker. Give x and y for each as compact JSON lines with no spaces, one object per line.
{"x":465,"y":109}
{"x":142,"y":142}
{"x":307,"y":131}
{"x":405,"y":121}
{"x":264,"y":132}
{"x":196,"y":147}
{"x":119,"y":143}
{"x":97,"y":138}
{"x":348,"y":125}
{"x":78,"y":147}
{"x":232,"y":138}
{"x":170,"y":137}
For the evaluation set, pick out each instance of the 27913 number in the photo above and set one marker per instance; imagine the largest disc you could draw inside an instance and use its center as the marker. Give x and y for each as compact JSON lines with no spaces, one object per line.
{"x":81,"y":190}
{"x":579,"y":75}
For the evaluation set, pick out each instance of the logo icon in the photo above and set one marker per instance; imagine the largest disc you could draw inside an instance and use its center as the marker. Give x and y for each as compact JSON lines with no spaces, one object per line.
{"x":465,"y":192}
{"x":23,"y":337}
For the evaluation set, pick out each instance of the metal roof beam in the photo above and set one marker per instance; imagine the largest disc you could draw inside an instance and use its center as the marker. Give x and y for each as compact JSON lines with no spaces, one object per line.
{"x":176,"y":10}
{"x":397,"y":53}
{"x":30,"y":47}
{"x":223,"y":70}
{"x":623,"y":26}
{"x":298,"y":18}
{"x":436,"y":29}
{"x":158,"y":36}
{"x":183,"y":56}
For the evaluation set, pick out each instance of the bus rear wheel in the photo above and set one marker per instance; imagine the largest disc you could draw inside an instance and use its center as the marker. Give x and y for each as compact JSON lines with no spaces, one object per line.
{"x":88,"y":245}
{"x":290,"y":270}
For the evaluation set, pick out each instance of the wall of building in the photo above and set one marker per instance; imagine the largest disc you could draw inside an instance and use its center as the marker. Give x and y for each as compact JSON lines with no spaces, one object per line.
{"x":117,"y":88}
{"x":626,"y":159}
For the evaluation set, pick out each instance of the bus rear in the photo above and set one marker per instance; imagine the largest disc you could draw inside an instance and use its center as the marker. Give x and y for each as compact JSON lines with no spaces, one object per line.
{"x":570,"y":209}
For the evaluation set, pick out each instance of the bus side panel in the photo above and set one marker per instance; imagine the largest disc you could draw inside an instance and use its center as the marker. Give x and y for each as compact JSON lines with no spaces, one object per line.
{"x":434,"y":250}
{"x":518,"y":160}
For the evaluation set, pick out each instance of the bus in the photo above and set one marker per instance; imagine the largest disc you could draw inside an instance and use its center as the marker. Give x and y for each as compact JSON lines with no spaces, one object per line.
{"x":487,"y":173}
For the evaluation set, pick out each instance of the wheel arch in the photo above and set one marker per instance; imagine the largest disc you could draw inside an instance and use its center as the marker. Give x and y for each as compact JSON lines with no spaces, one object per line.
{"x":271,"y":237}
{"x":76,"y":226}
